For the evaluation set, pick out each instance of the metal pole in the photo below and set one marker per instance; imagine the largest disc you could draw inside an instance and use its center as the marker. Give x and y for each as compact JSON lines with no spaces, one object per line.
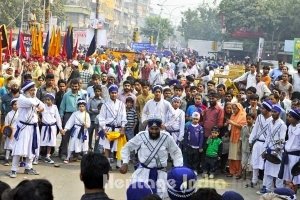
{"x":22,"y":18}
{"x":21,"y":29}
{"x":97,"y":16}
{"x":158,"y":33}
{"x":44,"y":15}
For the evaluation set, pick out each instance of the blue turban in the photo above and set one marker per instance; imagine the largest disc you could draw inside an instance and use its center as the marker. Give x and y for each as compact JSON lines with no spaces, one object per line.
{"x":154,"y":122}
{"x":267,"y":105}
{"x":113,"y":88}
{"x":277,"y":108}
{"x":50,"y":96}
{"x":231,"y":195}
{"x":295,"y":114}
{"x":138,"y":191}
{"x":27,"y":85}
{"x":81,"y":102}
{"x":13,"y":101}
{"x":176,"y":99}
{"x":181,"y":183}
{"x":157,"y":87}
{"x":173,"y":82}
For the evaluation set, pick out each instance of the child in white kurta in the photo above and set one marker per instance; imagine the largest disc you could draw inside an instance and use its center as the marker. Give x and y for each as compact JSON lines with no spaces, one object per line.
{"x":78,"y":125}
{"x":10,"y":120}
{"x":175,"y":124}
{"x":50,"y":121}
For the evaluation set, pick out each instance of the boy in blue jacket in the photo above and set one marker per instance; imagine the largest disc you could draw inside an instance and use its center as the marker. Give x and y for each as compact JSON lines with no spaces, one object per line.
{"x":194,"y":135}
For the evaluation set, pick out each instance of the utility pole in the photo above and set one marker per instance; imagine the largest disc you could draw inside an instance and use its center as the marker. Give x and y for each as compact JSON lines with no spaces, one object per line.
{"x":22,"y":17}
{"x":158,"y":32}
{"x":97,"y":16}
{"x":136,"y":12}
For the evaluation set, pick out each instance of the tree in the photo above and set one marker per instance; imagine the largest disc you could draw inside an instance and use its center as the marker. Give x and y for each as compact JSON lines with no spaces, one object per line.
{"x":278,"y":20}
{"x":203,"y":23}
{"x":155,"y":24}
{"x":11,"y":10}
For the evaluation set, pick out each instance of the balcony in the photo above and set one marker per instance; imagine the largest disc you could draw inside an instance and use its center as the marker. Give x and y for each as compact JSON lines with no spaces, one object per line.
{"x":77,"y":9}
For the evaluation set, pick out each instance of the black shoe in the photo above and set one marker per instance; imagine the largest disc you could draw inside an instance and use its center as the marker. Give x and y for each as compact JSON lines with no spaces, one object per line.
{"x":250,"y":185}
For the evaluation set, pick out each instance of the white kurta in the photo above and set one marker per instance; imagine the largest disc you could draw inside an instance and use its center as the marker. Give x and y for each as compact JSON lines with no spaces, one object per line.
{"x":161,"y":158}
{"x":50,"y":116}
{"x":261,"y":123}
{"x":276,"y":133}
{"x":175,"y":124}
{"x":292,"y":144}
{"x":262,"y":90}
{"x":158,"y":110}
{"x":78,"y":119}
{"x":111,"y":113}
{"x":11,"y":119}
{"x":27,"y":113}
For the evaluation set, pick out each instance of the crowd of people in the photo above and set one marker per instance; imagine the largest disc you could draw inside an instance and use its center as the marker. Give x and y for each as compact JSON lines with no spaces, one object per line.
{"x":153,"y":111}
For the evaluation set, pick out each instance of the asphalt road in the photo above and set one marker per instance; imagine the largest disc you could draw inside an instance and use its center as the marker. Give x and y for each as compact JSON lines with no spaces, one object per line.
{"x":67,"y":185}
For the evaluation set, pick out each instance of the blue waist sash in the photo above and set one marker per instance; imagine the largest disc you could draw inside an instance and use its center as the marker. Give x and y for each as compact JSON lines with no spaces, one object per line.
{"x":172,"y":131}
{"x":101,"y":134}
{"x":48,"y":127}
{"x":81,"y":134}
{"x":285,"y":161}
{"x":153,"y":175}
{"x":34,"y":145}
{"x":113,"y":127}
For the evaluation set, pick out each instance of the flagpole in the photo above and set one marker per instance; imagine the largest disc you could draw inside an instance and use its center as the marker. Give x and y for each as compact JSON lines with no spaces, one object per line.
{"x":44,"y":15}
{"x":22,"y":18}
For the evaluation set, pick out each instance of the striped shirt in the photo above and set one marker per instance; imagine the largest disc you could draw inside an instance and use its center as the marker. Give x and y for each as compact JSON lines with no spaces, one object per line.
{"x":131,"y":119}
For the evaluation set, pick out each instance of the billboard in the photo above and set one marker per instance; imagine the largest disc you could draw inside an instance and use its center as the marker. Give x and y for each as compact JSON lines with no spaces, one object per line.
{"x":139,"y":47}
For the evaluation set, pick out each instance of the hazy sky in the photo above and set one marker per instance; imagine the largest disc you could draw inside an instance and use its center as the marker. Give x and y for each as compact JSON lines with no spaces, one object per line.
{"x":173,"y":8}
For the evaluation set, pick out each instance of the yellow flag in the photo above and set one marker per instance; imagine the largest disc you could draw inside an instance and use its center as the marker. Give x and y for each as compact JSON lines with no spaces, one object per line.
{"x":40,"y":44}
{"x":33,"y":41}
{"x":58,"y":43}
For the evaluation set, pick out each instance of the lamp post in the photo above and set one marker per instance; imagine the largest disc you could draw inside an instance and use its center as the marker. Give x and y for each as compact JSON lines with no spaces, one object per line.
{"x":170,"y":15}
{"x":158,"y":32}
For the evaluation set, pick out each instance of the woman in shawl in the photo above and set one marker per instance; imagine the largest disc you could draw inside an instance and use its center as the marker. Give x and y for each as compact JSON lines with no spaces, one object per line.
{"x":236,"y":121}
{"x":225,"y":134}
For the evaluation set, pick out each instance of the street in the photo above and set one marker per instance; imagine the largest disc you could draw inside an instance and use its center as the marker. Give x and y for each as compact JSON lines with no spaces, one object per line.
{"x":67,"y":185}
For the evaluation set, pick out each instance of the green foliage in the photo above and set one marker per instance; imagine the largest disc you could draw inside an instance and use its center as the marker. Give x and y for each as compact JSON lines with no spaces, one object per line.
{"x":277,"y":19}
{"x":203,"y":23}
{"x":11,"y":10}
{"x":155,"y":24}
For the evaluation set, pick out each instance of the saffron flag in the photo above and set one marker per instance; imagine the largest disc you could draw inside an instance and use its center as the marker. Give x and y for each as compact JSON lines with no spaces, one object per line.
{"x":58,"y":43}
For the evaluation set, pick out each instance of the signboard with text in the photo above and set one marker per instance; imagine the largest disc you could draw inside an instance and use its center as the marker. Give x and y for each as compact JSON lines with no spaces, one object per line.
{"x":139,"y":47}
{"x":296,"y":54}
